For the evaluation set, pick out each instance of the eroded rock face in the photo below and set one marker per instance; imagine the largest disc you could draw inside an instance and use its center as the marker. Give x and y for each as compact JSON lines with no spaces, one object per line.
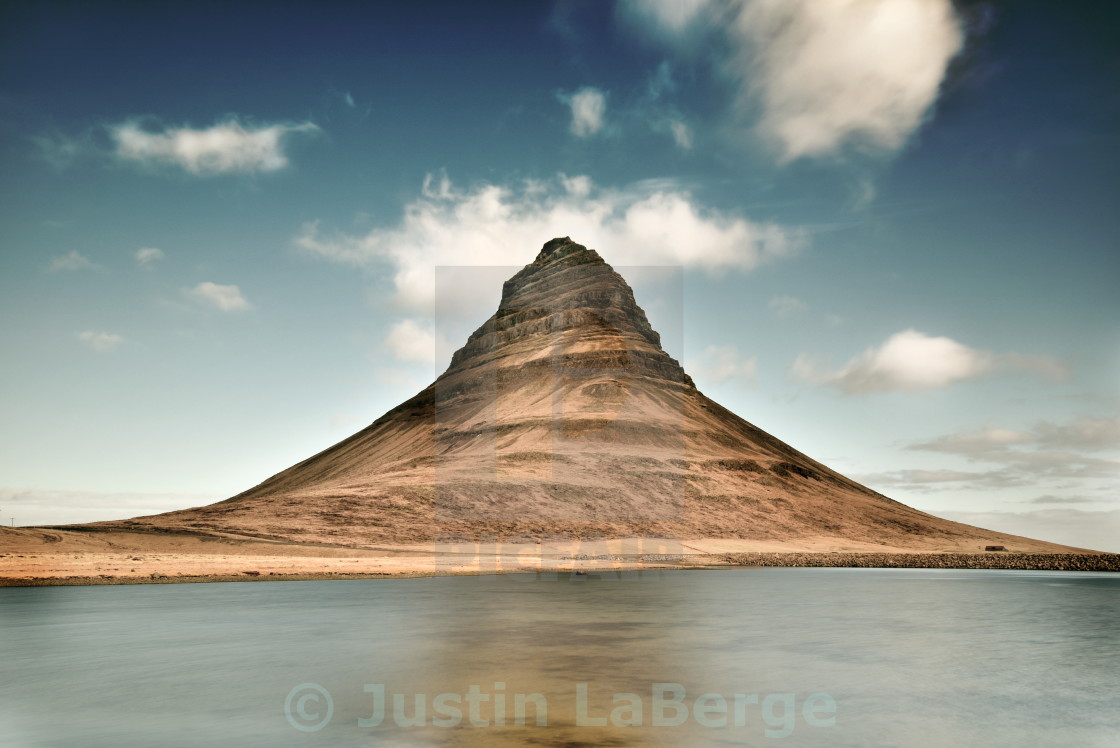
{"x":562,"y":415}
{"x":569,"y":297}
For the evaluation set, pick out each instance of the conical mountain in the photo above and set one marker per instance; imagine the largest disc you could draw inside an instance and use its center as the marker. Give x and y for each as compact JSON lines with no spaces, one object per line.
{"x":563,"y":416}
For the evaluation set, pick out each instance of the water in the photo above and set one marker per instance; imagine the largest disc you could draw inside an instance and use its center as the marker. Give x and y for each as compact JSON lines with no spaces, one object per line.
{"x":907,"y":658}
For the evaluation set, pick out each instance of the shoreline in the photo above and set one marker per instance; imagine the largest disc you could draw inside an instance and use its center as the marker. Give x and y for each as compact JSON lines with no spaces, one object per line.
{"x":48,"y":557}
{"x":1010,"y":561}
{"x":593,"y":566}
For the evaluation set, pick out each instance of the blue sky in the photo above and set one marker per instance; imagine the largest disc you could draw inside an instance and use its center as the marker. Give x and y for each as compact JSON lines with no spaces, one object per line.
{"x":895,"y":223}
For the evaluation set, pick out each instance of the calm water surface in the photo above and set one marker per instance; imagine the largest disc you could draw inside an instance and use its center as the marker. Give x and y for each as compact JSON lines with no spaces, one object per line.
{"x":905,"y":657}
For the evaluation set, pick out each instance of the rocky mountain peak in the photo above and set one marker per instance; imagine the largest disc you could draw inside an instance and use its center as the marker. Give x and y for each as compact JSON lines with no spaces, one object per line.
{"x":569,"y":294}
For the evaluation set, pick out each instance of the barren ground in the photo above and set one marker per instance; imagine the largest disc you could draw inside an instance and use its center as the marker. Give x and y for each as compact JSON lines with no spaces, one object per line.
{"x":33,"y":556}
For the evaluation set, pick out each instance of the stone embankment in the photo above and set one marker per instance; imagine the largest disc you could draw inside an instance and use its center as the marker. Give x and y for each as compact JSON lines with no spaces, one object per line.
{"x":989,"y":560}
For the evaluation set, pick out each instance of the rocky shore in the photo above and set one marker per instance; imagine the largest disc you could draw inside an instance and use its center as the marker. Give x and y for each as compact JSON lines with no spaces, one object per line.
{"x":990,"y":560}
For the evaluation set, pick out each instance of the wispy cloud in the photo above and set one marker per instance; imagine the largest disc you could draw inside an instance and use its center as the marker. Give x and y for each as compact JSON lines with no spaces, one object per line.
{"x":49,"y":506}
{"x":813,"y":77}
{"x":911,"y":360}
{"x":70,"y":262}
{"x":682,"y":134}
{"x":917,"y":479}
{"x":787,"y":306}
{"x":224,"y":148}
{"x":226,"y":298}
{"x":102,"y":342}
{"x":1051,"y":499}
{"x":722,"y":363}
{"x":1087,"y":434}
{"x":148,"y":256}
{"x":978,"y":442}
{"x":1097,"y":530}
{"x":589,"y":108}
{"x":660,"y":114}
{"x":671,"y":18}
{"x":1016,"y":458}
{"x":61,"y":150}
{"x":1084,"y":433}
{"x":647,"y":224}
{"x":661,"y":81}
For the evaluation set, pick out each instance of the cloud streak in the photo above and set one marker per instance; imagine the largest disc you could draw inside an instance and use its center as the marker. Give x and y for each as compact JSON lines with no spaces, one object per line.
{"x":49,"y":506}
{"x":982,"y":442}
{"x":224,"y":148}
{"x":102,"y":342}
{"x":787,"y":306}
{"x":1048,"y":452}
{"x":225,"y":298}
{"x":148,"y":256}
{"x":1085,"y":434}
{"x":70,"y":262}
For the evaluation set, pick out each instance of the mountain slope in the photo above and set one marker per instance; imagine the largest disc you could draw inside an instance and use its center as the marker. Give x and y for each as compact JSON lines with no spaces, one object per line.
{"x":562,"y":415}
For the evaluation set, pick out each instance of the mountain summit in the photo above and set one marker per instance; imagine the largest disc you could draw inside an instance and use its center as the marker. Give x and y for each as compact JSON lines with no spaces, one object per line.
{"x":563,"y":416}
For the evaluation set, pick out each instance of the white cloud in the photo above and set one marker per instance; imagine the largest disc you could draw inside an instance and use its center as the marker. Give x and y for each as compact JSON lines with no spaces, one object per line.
{"x":656,"y":223}
{"x":787,"y":306}
{"x":225,"y":148}
{"x":226,"y":298}
{"x":832,"y":72}
{"x":148,"y":256}
{"x":720,"y":363}
{"x":70,"y":262}
{"x":409,"y":340}
{"x":102,"y":342}
{"x":912,"y":360}
{"x":578,"y":186}
{"x":815,"y":76}
{"x":589,"y":106}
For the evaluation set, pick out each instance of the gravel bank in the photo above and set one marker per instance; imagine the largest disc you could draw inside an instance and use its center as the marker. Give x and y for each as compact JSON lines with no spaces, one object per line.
{"x":991,"y":560}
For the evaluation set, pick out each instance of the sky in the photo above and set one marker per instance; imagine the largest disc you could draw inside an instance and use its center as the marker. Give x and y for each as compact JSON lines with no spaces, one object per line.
{"x":885,"y":231}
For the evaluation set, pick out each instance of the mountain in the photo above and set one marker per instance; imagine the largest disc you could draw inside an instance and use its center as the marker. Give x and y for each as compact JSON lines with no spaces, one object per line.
{"x":563,"y":416}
